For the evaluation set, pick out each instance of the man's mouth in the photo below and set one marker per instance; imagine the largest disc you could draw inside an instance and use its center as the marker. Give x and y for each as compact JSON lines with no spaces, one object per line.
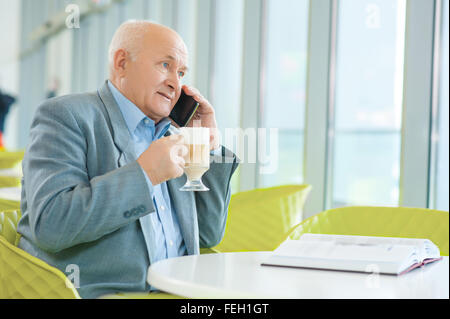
{"x":166,"y":96}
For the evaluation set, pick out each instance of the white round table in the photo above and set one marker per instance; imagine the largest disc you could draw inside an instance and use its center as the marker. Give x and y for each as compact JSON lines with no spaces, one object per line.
{"x":240,"y":275}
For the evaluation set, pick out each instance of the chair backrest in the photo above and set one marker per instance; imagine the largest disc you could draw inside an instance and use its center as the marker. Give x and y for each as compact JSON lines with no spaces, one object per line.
{"x":10,"y":159}
{"x":10,"y":171}
{"x":380,"y":221}
{"x":8,"y":204}
{"x":9,"y":181}
{"x":23,"y":275}
{"x":8,"y":225}
{"x":261,"y":219}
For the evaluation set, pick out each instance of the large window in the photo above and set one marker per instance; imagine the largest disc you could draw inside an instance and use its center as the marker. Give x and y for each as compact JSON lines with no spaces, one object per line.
{"x":185,"y":23}
{"x":284,"y":87}
{"x":368,"y":102}
{"x":226,"y":73}
{"x":349,"y":86}
{"x":442,"y":159}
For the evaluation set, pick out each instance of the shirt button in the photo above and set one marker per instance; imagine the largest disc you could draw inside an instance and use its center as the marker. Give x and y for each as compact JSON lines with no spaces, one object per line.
{"x":171,"y":243}
{"x":147,"y":121}
{"x":162,"y":207}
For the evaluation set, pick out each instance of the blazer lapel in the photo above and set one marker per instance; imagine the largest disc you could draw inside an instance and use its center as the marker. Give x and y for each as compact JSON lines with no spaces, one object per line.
{"x":124,"y":143}
{"x":118,"y":127}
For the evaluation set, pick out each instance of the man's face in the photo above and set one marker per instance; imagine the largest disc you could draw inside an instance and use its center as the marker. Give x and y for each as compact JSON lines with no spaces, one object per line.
{"x":153,"y":80}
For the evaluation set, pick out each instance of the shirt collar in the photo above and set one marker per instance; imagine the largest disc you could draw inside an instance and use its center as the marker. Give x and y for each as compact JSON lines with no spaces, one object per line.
{"x":133,"y":115}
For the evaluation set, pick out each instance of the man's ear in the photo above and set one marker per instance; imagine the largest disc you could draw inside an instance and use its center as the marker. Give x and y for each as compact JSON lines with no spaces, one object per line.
{"x":120,"y":61}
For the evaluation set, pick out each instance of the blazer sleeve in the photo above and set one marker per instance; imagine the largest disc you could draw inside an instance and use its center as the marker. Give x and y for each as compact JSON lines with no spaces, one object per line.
{"x":212,"y":206}
{"x":65,"y":206}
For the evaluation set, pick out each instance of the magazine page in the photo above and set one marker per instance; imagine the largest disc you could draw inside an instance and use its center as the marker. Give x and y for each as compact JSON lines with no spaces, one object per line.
{"x":335,"y":250}
{"x":344,"y":256}
{"x":426,"y":248}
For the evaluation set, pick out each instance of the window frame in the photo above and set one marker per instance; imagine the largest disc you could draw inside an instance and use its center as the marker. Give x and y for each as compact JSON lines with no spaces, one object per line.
{"x":417,"y":104}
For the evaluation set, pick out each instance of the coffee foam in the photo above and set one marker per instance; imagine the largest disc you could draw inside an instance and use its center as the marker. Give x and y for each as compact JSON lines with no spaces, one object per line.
{"x":195,"y":135}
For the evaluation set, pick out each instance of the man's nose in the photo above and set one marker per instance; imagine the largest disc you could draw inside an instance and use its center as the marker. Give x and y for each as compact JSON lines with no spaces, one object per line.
{"x":173,"y":82}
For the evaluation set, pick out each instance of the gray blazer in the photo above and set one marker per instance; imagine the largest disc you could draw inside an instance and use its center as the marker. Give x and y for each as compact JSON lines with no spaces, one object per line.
{"x":85,"y":201}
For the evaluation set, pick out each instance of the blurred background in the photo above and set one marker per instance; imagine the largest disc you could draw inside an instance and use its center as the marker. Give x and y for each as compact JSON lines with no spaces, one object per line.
{"x":358,"y":89}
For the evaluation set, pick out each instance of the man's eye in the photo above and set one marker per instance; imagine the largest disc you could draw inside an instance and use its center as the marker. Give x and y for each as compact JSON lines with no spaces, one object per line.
{"x":181,"y":74}
{"x":165,"y":65}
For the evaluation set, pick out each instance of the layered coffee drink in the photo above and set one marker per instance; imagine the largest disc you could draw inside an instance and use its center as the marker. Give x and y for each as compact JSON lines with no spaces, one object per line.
{"x":197,"y":159}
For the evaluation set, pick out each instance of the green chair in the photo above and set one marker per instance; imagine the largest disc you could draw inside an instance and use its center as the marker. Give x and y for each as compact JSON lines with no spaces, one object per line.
{"x":261,"y":219}
{"x":9,"y":181}
{"x":380,"y":221}
{"x":10,"y":159}
{"x":23,"y":276}
{"x":7,"y":204}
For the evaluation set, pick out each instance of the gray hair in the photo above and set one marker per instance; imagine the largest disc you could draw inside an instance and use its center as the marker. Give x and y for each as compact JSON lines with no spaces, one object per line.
{"x":128,"y":37}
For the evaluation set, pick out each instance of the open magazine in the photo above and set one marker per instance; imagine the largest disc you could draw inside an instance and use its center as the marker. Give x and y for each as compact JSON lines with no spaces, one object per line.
{"x":386,"y":255}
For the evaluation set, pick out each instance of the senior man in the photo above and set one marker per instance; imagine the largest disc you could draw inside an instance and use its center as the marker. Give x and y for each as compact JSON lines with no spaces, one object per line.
{"x":100,"y":190}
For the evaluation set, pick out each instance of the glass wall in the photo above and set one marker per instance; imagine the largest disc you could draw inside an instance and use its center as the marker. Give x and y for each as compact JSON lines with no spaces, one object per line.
{"x":226,"y":73}
{"x":260,"y":63}
{"x":366,"y":127}
{"x":185,"y":23}
{"x":441,"y":173}
{"x":284,"y":87}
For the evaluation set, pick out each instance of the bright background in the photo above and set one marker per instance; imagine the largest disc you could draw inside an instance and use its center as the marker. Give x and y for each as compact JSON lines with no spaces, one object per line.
{"x":358,"y":89}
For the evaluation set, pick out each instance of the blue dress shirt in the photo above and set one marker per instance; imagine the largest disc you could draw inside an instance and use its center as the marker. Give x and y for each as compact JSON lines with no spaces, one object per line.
{"x":168,"y":237}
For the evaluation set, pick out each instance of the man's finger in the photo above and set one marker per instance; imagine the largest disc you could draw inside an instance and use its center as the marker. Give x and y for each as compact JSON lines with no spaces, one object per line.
{"x":195,"y":94}
{"x":176,"y":139}
{"x":181,"y":162}
{"x":177,"y":151}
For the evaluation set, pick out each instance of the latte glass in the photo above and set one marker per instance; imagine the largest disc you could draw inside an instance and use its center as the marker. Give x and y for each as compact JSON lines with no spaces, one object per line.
{"x":197,"y":160}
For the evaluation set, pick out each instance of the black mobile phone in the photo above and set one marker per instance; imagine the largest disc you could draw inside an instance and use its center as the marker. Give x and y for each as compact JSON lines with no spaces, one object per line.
{"x":184,"y":109}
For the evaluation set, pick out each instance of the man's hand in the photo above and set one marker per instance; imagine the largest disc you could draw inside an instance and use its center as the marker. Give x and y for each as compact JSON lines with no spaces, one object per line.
{"x":163,"y":159}
{"x":205,"y":114}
